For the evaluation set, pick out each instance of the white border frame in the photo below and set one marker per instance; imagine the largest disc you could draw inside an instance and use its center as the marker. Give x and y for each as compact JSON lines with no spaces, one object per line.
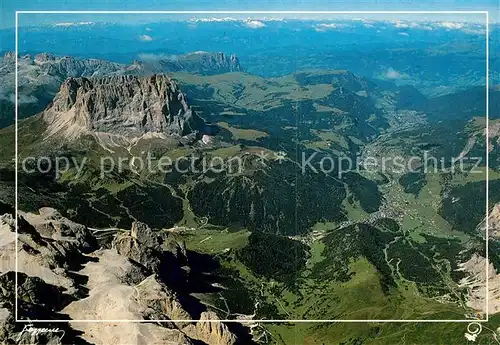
{"x":486,"y":13}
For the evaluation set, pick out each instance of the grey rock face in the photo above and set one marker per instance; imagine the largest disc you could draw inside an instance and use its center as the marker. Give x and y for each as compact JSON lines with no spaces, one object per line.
{"x":128,"y":106}
{"x":50,"y":223}
{"x":158,"y":302}
{"x":199,"y":62}
{"x":43,"y":250}
{"x":144,"y":246}
{"x":41,"y":76}
{"x":56,"y":281}
{"x":140,"y":245}
{"x":46,"y":282}
{"x":143,"y":233}
{"x":210,"y":332}
{"x":32,"y":302}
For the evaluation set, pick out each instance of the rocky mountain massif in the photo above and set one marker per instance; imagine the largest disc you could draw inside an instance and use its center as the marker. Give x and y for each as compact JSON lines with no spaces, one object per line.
{"x":198,"y":62}
{"x":40,"y":76}
{"x":139,"y":275}
{"x":121,"y":108}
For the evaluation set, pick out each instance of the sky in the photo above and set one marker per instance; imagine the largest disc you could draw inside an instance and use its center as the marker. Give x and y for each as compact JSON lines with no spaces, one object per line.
{"x":8,"y":8}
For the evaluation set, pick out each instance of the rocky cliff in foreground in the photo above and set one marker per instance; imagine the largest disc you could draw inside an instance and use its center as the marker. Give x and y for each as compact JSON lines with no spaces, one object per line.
{"x":64,"y":273}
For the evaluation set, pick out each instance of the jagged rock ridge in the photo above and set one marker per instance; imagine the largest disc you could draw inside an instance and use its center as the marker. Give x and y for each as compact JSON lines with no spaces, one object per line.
{"x":64,"y":275}
{"x":41,"y":76}
{"x":126,"y":106}
{"x":204,"y":63}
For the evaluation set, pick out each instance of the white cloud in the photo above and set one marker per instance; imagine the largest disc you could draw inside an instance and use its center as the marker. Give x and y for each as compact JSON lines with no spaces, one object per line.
{"x":363,"y":20}
{"x":22,"y":99}
{"x":255,"y":24}
{"x":451,"y":25}
{"x":27,"y":99}
{"x":468,"y":28}
{"x":145,"y":38}
{"x":474,"y":31}
{"x":155,"y":57}
{"x":393,"y":74}
{"x":404,"y":34}
{"x":214,"y":19}
{"x":68,"y":24}
{"x":251,"y":21}
{"x":326,"y":27}
{"x":400,"y":24}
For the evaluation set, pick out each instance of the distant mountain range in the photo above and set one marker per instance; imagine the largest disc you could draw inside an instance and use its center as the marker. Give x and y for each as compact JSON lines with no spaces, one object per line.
{"x":438,"y":57}
{"x":41,"y":76}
